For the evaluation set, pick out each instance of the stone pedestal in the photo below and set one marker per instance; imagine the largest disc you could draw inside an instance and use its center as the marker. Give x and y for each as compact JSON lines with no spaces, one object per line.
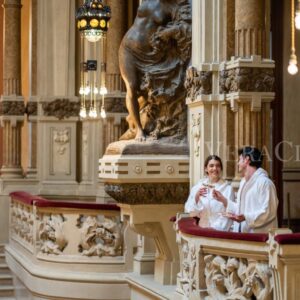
{"x":150,"y":182}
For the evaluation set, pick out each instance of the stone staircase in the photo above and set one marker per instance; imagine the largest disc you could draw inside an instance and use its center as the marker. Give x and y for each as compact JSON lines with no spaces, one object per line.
{"x":6,"y":280}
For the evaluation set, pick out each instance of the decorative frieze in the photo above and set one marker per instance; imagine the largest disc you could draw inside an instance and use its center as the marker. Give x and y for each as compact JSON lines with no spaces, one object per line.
{"x":32,"y":109}
{"x":100,"y":237}
{"x":198,"y":83}
{"x":61,"y":109}
{"x":12,"y":108}
{"x":148,"y":193}
{"x":247,"y":80}
{"x":144,"y":168}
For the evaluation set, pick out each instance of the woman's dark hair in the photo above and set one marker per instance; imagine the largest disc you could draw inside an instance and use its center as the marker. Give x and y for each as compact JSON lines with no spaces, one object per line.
{"x":215,"y":157}
{"x":254,"y":155}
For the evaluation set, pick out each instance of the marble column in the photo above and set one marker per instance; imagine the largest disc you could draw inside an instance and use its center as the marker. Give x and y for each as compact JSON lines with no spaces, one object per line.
{"x":115,"y":34}
{"x":12,"y":113}
{"x":250,"y":25}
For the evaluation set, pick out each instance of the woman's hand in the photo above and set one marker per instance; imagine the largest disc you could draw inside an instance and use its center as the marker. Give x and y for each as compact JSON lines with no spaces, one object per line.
{"x":219,"y":197}
{"x":202,"y":192}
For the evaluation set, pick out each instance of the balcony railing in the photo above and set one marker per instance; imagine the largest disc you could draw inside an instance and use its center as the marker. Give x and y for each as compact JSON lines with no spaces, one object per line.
{"x":226,"y":265}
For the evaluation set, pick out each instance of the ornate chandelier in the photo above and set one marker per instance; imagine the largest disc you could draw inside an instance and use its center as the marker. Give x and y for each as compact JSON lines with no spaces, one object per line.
{"x":93,"y":22}
{"x":93,"y":19}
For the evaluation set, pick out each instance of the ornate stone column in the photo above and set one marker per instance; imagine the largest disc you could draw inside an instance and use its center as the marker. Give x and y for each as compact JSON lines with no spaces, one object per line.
{"x":249,"y":79}
{"x":115,"y":34}
{"x":12,"y":104}
{"x":250,"y":33}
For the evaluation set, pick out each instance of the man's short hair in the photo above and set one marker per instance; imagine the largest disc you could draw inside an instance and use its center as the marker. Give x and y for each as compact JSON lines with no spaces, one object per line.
{"x":254,"y":155}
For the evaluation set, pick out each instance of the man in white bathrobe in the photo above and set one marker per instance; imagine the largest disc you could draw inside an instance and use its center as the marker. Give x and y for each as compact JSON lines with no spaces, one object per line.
{"x":255,"y":210}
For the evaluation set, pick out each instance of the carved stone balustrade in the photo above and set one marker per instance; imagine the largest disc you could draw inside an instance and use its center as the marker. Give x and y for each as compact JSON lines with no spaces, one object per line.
{"x":79,"y":243}
{"x":226,"y":265}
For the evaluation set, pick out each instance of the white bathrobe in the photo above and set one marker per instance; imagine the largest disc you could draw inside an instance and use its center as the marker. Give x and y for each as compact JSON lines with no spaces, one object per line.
{"x":209,"y":208}
{"x":257,"y":201}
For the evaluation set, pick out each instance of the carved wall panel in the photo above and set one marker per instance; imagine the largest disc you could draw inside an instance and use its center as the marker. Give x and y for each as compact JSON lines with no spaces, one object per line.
{"x":196,"y":133}
{"x":60,"y":151}
{"x":237,"y":278}
{"x":188,"y":276}
{"x":21,"y":226}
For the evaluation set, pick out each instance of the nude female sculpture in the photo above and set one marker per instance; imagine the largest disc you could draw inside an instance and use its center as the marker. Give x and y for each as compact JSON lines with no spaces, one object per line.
{"x":154,"y":55}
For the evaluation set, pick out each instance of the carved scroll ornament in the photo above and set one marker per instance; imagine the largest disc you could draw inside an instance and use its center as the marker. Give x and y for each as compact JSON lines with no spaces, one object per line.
{"x":100,"y":237}
{"x":51,"y":234}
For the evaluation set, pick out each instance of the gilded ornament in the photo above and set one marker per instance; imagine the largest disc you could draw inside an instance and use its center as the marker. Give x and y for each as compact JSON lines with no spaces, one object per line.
{"x":83,"y":23}
{"x":102,"y":23}
{"x":94,"y":23}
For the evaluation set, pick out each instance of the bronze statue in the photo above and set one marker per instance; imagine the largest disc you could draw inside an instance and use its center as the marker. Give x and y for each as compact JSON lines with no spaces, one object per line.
{"x":154,"y":55}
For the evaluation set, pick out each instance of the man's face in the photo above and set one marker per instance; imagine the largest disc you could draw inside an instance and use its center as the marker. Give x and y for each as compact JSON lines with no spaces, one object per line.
{"x":242,"y":164}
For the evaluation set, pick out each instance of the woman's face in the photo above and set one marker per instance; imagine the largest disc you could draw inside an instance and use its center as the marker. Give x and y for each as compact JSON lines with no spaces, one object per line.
{"x":213,"y":169}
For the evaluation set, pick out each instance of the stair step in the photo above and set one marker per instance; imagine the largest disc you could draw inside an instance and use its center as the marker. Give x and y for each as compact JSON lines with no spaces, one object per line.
{"x":4,"y":269}
{"x":2,"y":258}
{"x":2,"y":248}
{"x":6,"y":279}
{"x":6,"y":291}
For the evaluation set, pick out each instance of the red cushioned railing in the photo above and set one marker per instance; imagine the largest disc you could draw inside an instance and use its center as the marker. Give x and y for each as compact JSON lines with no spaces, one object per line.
{"x":38,"y":201}
{"x":25,"y":197}
{"x":79,"y":205}
{"x":288,"y":239}
{"x":189,"y":226}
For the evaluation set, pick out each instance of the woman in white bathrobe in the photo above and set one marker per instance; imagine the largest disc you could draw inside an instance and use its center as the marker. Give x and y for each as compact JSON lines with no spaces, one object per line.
{"x":201,"y":202}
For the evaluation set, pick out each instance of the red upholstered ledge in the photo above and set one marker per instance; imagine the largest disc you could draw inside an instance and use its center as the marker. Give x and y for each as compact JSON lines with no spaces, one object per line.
{"x":189,"y":226}
{"x":25,"y":197}
{"x":288,"y":239}
{"x":79,"y":205}
{"x":38,"y":201}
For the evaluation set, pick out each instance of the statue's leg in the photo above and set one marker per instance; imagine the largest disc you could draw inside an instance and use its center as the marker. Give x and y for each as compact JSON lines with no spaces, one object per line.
{"x":134,"y":111}
{"x":130,"y":75}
